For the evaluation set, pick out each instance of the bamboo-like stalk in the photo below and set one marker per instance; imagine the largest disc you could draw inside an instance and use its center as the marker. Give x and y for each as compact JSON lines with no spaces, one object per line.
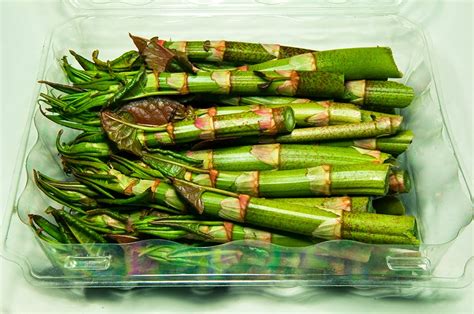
{"x":309,"y":221}
{"x":101,"y":89}
{"x":395,"y":144}
{"x":361,"y":93}
{"x":261,"y":121}
{"x":362,"y":179}
{"x":232,"y":51}
{"x":379,"y":127}
{"x":378,"y":94}
{"x":315,"y":113}
{"x":287,"y":83}
{"x":375,"y":63}
{"x":355,"y":204}
{"x":283,"y":157}
{"x":92,"y":89}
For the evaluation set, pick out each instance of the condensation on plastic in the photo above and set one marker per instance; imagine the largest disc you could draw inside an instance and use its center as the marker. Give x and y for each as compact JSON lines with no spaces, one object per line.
{"x":441,"y":198}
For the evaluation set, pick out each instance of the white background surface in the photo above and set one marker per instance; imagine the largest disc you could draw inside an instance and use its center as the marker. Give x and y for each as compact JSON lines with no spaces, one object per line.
{"x":25,"y":25}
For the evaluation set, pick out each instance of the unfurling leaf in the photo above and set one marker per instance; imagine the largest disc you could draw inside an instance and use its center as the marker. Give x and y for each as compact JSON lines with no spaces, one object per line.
{"x":159,"y":58}
{"x":119,"y":131}
{"x":191,"y":193}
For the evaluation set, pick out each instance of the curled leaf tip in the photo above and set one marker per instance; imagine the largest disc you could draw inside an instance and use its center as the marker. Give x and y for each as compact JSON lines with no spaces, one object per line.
{"x":190,"y":192}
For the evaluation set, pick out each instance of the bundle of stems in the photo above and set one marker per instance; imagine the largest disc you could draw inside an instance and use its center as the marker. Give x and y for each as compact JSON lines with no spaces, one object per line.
{"x":283,"y":156}
{"x":309,"y":221}
{"x":95,"y":88}
{"x":316,"y":113}
{"x":110,"y":226}
{"x":355,"y":63}
{"x":393,"y":144}
{"x":214,"y":142}
{"x":133,"y":137}
{"x":358,"y":179}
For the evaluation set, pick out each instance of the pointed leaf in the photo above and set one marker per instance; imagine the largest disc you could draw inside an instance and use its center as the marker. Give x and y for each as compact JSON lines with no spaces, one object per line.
{"x":191,"y":193}
{"x":159,"y":58}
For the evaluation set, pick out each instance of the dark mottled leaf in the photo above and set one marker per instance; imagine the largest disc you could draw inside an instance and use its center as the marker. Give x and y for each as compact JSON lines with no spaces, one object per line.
{"x":156,"y":110}
{"x":191,"y":193}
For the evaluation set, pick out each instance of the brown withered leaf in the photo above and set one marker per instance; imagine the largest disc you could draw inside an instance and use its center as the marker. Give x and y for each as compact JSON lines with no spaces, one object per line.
{"x":190,"y":192}
{"x":156,"y":110}
{"x":139,"y":42}
{"x":122,"y":134}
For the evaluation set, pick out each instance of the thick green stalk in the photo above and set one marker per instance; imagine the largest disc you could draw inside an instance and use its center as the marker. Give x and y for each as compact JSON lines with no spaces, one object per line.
{"x":355,"y":92}
{"x":379,"y":127}
{"x":209,"y":126}
{"x":315,"y":113}
{"x":375,"y":63}
{"x":232,"y":51}
{"x":355,"y":204}
{"x":309,"y":221}
{"x":378,"y":94}
{"x":286,"y":83}
{"x":283,"y":157}
{"x":363,"y":179}
{"x":133,"y":137}
{"x":394,"y":144}
{"x":101,"y":89}
{"x":256,"y":100}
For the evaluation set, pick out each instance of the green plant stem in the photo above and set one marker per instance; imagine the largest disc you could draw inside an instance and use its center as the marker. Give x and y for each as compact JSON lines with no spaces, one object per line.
{"x":375,"y":63}
{"x":355,"y":204}
{"x":283,"y":157}
{"x":208,"y":126}
{"x":378,"y":94}
{"x":363,"y":179}
{"x":395,"y":144}
{"x":315,"y":113}
{"x":232,"y":51}
{"x":380,"y":127}
{"x":309,"y":221}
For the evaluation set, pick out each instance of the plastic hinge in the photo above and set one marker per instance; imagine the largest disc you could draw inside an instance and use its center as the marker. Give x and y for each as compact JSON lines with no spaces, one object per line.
{"x":87,"y":262}
{"x":416,"y":264}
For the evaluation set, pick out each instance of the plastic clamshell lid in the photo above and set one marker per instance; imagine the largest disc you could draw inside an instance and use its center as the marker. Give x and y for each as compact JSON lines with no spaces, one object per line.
{"x":253,"y":6}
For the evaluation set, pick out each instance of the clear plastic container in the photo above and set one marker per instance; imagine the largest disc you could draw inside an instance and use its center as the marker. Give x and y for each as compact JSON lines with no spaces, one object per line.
{"x":441,"y":198}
